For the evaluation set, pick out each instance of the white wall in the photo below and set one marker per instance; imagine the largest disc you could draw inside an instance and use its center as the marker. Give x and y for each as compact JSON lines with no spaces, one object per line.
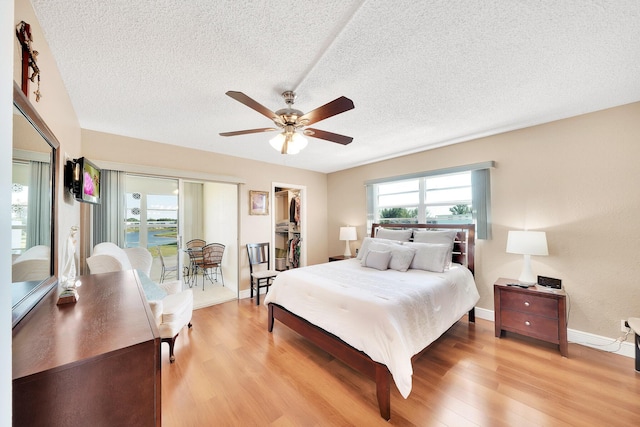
{"x":6,"y":121}
{"x":576,"y":179}
{"x":103,"y":147}
{"x":56,"y":110}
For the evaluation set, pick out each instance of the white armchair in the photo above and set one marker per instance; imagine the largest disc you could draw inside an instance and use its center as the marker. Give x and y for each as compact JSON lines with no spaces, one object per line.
{"x":171,"y":306}
{"x":33,"y":264}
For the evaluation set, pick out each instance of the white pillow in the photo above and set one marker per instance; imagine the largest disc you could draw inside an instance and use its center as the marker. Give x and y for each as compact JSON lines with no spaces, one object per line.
{"x":401,"y":256}
{"x":377,"y":259}
{"x":446,"y":237}
{"x":434,"y":257}
{"x":364,"y":248}
{"x":400,"y":235}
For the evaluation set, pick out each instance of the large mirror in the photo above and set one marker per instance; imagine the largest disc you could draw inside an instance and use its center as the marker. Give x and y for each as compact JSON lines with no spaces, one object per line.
{"x":33,"y":238}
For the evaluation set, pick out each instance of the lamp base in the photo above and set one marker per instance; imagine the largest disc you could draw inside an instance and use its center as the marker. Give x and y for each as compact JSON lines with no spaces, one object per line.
{"x":527,"y":277}
{"x":347,"y":249}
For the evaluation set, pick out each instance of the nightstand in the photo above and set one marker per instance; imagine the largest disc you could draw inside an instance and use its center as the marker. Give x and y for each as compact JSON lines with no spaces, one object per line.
{"x":537,"y":312}
{"x":339,"y":258}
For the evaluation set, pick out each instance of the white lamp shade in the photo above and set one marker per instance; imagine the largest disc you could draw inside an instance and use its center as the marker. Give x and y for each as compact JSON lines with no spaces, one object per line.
{"x":527,"y":243}
{"x":348,"y":233}
{"x":296,"y":144}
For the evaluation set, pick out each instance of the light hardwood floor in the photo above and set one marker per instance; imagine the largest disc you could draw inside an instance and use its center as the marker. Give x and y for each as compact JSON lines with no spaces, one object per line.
{"x":230,"y":371}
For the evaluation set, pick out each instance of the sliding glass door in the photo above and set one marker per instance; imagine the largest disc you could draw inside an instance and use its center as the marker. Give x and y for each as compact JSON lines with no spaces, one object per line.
{"x":151,"y":218}
{"x":162,"y":214}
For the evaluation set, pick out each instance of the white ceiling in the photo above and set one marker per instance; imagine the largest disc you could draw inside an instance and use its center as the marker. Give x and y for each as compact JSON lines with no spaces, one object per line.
{"x":422,"y":74}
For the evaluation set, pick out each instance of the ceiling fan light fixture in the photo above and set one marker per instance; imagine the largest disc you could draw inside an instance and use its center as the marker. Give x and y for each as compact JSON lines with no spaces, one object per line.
{"x":295,"y":144}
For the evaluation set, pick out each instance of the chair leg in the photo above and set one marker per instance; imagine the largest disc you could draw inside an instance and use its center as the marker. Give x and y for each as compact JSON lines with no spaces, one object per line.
{"x":171,"y":342}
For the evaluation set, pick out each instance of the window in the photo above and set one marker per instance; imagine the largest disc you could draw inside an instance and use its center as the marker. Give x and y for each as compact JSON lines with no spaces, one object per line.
{"x":450,"y":196}
{"x":19,"y":205}
{"x":151,"y":218}
{"x":432,"y":199}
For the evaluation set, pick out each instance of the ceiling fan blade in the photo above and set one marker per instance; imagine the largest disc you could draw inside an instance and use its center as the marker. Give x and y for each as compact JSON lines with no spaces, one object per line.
{"x":249,"y":102}
{"x":337,"y":106}
{"x":245,"y":132}
{"x":329,"y":136}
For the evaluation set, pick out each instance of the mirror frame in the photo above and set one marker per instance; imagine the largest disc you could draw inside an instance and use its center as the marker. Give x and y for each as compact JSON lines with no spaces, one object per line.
{"x":26,"y":304}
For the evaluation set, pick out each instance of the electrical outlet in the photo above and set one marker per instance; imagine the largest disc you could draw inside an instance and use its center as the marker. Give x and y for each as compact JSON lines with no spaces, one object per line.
{"x":624,"y":326}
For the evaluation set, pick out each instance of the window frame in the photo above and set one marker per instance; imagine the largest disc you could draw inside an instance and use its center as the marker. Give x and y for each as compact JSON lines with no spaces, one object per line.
{"x":479,"y":201}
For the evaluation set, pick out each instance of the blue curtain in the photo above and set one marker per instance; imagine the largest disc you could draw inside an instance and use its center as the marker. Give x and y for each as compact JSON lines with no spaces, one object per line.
{"x":481,"y":202}
{"x":39,"y":205}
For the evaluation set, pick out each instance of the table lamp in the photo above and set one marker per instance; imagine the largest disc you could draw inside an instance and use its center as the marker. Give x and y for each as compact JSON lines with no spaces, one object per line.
{"x":527,"y":243}
{"x":346,"y":234}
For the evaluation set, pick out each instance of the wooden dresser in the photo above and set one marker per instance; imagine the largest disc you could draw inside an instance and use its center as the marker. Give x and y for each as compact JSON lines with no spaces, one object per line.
{"x":537,"y":312}
{"x":95,"y":362}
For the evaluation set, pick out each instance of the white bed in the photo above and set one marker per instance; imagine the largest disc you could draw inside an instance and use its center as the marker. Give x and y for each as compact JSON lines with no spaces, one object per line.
{"x":378,"y":320}
{"x":389,"y":315}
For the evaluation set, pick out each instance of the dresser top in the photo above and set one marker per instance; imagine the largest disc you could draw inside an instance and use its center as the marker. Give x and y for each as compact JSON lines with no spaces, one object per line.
{"x":111,"y":314}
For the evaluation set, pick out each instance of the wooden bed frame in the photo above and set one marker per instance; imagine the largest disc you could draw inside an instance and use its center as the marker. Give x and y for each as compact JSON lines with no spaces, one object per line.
{"x":463,"y":253}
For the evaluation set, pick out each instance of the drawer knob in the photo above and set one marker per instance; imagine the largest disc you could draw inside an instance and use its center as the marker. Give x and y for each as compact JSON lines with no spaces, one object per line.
{"x":527,"y":323}
{"x":526,"y":304}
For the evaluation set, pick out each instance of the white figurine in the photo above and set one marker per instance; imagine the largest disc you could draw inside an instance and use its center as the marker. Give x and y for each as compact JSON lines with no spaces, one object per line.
{"x":68,"y":272}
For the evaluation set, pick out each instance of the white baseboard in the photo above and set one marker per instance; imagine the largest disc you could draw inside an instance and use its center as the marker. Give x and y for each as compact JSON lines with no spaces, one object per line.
{"x":587,"y":339}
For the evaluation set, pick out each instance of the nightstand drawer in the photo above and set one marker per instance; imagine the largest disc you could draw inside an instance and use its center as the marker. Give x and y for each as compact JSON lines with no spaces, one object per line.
{"x":531,"y":325}
{"x":528,"y":303}
{"x":534,"y":312}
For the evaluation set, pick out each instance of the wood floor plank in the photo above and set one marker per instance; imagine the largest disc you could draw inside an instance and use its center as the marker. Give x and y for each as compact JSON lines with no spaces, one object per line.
{"x":230,"y":371}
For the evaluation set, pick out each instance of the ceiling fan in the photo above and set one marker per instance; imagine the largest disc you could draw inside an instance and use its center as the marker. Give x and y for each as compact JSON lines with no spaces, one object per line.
{"x":290,"y":120}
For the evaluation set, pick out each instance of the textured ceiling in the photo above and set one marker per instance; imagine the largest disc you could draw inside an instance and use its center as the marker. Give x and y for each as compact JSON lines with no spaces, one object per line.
{"x":422,"y":74}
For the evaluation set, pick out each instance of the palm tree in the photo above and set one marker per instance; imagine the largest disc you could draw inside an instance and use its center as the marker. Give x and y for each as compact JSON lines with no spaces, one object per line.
{"x":460,"y":209}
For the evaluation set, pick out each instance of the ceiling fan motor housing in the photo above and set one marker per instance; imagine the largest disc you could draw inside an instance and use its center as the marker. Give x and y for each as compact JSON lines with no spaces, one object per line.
{"x":289,"y":116}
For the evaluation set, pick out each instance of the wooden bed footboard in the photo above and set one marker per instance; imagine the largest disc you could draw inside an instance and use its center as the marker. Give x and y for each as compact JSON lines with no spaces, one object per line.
{"x":341,"y":350}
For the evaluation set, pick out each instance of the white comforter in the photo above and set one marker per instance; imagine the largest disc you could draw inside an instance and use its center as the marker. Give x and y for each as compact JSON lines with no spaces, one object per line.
{"x":389,"y":315}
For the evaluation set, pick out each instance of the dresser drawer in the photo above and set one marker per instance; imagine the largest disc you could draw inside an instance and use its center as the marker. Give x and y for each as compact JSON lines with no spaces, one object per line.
{"x":535,"y":326}
{"x":528,"y":303}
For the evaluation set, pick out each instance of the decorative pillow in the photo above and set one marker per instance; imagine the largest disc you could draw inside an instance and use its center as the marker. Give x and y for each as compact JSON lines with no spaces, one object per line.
{"x":377,"y":259}
{"x":446,"y":237}
{"x":364,"y":248}
{"x":434,"y":257}
{"x":400,"y":235}
{"x":401,"y":256}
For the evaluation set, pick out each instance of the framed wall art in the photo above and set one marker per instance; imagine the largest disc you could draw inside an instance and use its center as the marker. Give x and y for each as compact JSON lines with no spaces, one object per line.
{"x":258,"y":202}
